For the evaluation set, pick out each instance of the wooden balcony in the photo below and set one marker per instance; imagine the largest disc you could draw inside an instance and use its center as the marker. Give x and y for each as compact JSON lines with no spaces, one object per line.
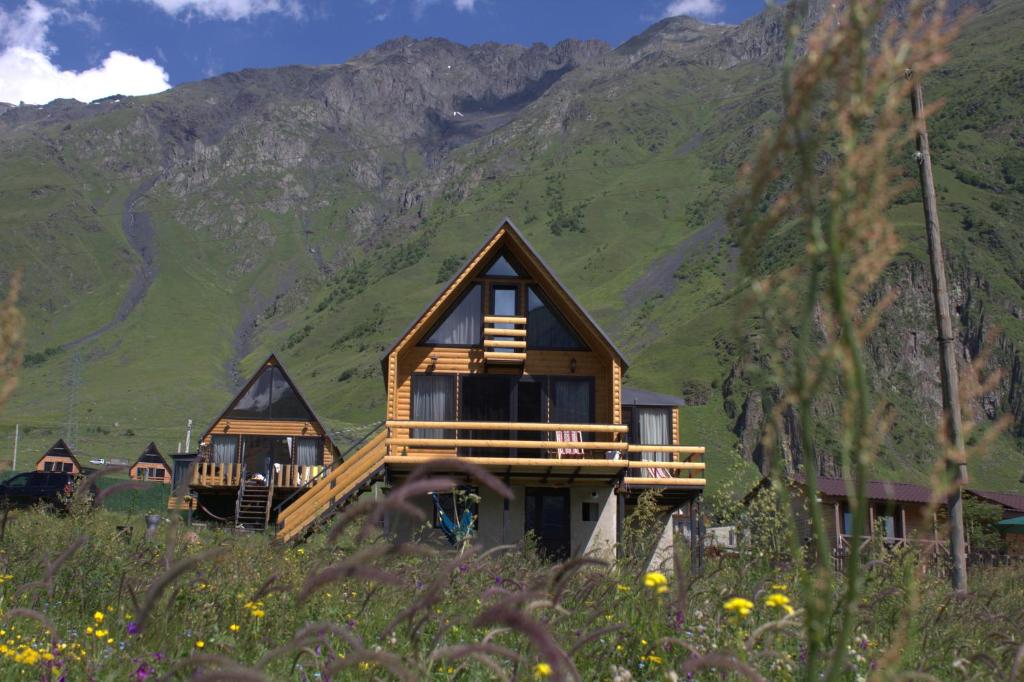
{"x":214,"y":475}
{"x":607,"y":454}
{"x":504,"y":340}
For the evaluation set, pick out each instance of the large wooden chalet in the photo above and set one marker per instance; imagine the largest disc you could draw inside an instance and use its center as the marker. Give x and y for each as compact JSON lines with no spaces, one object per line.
{"x":59,"y":458}
{"x":506,"y":369}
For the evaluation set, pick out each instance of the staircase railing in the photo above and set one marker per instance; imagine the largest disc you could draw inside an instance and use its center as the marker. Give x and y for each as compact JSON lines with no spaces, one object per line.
{"x":270,"y":501}
{"x":241,"y":493}
{"x":342,"y":481}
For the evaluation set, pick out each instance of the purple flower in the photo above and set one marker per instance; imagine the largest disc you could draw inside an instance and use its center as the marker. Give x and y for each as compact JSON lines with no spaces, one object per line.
{"x":133,"y":628}
{"x":463,"y":568}
{"x":498,"y":580}
{"x":143,"y":672}
{"x":158,"y":656}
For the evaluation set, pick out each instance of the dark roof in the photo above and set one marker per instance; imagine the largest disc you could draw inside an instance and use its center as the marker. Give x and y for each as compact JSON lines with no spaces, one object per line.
{"x":60,"y":449}
{"x":888,"y":491}
{"x":272,"y":357}
{"x":638,"y":396}
{"x":515,"y":230}
{"x":151,"y":455}
{"x":1010,"y":501}
{"x":184,"y":455}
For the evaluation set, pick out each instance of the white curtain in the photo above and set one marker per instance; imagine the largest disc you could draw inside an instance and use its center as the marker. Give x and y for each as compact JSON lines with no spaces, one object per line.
{"x":463,"y":325}
{"x":307,"y":452}
{"x":432,"y":400}
{"x":224,"y":449}
{"x":655,"y":429}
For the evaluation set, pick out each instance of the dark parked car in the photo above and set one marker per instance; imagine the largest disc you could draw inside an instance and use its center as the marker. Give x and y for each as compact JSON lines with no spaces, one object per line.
{"x":49,"y":487}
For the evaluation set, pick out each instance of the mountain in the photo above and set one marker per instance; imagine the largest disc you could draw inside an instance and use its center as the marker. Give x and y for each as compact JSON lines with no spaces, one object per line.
{"x":170,"y":242}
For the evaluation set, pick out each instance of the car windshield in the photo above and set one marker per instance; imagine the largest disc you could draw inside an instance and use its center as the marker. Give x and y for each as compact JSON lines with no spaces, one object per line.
{"x":18,"y":481}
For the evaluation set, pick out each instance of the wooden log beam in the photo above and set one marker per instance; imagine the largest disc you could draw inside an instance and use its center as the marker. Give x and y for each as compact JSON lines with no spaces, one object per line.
{"x":692,"y":466}
{"x":503,"y":319}
{"x":510,"y":463}
{"x":489,"y":443}
{"x":492,"y":331}
{"x":665,"y":482}
{"x":504,"y":357}
{"x":497,"y":343}
{"x":507,"y":426}
{"x":680,"y":449}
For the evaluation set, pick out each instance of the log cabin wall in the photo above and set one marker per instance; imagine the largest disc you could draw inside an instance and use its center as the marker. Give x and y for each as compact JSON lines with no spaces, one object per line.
{"x":63,"y":461}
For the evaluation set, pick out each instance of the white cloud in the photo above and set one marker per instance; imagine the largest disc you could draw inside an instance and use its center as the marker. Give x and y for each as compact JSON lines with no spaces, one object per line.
{"x":232,"y":10}
{"x":465,"y":5}
{"x":420,"y":6}
{"x":28,"y":74}
{"x":703,"y":9}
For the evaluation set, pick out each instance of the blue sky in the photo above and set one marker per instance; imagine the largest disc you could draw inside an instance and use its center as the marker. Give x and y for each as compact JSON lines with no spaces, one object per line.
{"x":93,"y":48}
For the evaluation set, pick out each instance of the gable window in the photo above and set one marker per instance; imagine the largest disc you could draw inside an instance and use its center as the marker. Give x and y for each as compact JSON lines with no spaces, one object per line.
{"x":271,"y":396}
{"x":433,"y":400}
{"x":462,"y":325}
{"x":504,"y":266}
{"x":545,"y":328}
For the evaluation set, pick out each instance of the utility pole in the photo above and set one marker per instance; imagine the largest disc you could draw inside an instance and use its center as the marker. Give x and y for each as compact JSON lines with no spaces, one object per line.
{"x":188,"y":435}
{"x":14,"y":462}
{"x":957,"y":464}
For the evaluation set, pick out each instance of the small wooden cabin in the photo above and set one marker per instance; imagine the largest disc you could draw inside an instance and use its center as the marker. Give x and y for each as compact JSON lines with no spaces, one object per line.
{"x":505,"y":369}
{"x":150,"y":466}
{"x":264,"y":445}
{"x":59,"y":458}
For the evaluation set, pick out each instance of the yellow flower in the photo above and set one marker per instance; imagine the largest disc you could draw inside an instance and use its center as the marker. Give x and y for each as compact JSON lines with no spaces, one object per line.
{"x":654,"y":659}
{"x":655,"y":579}
{"x":622,"y":588}
{"x":300,"y":551}
{"x":200,"y":644}
{"x":258,"y":613}
{"x":662,"y":589}
{"x":110,"y":640}
{"x":234,"y":627}
{"x":739,"y":605}
{"x":100,"y":634}
{"x":88,"y":630}
{"x":778,"y":600}
{"x":779,"y":588}
{"x":542,"y":670}
{"x":98,"y":616}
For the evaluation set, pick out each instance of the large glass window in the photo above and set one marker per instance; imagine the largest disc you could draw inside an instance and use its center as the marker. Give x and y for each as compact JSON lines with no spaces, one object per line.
{"x":572,"y":401}
{"x":462,"y":326}
{"x":308,"y":452}
{"x":545,"y":328}
{"x":225,"y":449}
{"x":271,"y":396}
{"x":433,"y":400}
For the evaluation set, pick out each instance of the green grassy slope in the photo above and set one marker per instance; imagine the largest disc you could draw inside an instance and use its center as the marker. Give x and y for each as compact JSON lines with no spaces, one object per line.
{"x":619,"y":176}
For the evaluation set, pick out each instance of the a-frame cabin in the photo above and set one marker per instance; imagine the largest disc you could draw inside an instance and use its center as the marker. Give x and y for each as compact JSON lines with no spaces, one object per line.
{"x":506,"y":369}
{"x":59,"y":458}
{"x":150,"y":466}
{"x":267,"y":443}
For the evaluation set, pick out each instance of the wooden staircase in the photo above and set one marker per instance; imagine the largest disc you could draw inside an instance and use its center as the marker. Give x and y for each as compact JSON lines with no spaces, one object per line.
{"x":340,"y":485}
{"x":252,"y":509}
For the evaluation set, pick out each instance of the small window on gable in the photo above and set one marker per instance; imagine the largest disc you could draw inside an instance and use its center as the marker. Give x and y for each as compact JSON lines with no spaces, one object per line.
{"x":504,"y":266}
{"x":545,"y":328}
{"x":462,"y":325}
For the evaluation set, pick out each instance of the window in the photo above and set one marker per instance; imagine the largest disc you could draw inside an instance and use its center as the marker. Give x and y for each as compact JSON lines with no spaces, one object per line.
{"x":504,"y":266}
{"x":545,"y":328}
{"x":590,"y":512}
{"x":462,"y":326}
{"x":308,"y":452}
{"x":572,"y":401}
{"x":225,"y":449}
{"x":654,"y":427}
{"x":433,"y":400}
{"x":19,"y":481}
{"x":271,"y":396}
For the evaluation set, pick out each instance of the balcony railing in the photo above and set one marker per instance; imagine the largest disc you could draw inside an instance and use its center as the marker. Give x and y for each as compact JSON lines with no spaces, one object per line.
{"x":683,"y":465}
{"x":504,"y":339}
{"x":216,"y":475}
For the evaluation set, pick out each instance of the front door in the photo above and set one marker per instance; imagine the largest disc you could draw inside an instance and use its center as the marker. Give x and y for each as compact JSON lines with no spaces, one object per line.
{"x":547,"y":517}
{"x":486,"y":399}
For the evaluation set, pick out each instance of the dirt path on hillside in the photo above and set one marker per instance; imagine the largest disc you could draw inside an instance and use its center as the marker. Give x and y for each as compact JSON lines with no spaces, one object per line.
{"x":139,"y":231}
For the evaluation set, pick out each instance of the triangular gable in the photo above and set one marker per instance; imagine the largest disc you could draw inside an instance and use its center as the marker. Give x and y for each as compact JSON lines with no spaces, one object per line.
{"x":508,"y":237}
{"x":151,"y":455}
{"x":271,"y":361}
{"x":60,"y":449}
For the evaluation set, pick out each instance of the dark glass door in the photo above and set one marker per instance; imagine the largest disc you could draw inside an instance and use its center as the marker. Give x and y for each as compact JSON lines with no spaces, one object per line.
{"x":547,"y":517}
{"x":530,"y":404}
{"x":486,"y":399}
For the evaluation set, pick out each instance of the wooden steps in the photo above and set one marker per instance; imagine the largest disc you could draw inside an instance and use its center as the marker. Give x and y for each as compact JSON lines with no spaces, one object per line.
{"x":253,"y":505}
{"x":340,"y":485}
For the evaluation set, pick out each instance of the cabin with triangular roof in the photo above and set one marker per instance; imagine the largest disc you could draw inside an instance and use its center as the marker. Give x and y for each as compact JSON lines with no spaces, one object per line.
{"x":266,"y":443}
{"x":150,"y":466}
{"x":505,"y":369}
{"x":59,"y":458}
